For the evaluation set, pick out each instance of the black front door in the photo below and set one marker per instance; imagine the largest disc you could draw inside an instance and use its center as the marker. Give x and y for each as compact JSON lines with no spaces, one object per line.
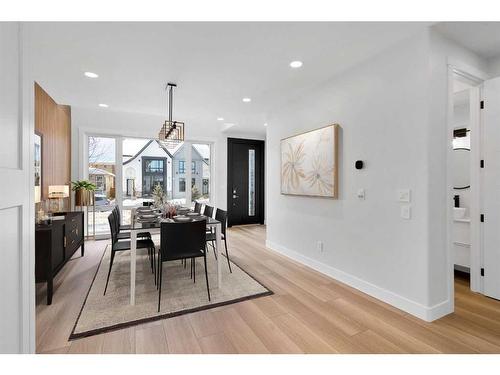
{"x":245,"y":181}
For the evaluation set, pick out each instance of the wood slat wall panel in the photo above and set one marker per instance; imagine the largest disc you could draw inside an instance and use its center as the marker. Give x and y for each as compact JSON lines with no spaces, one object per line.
{"x":53,"y":122}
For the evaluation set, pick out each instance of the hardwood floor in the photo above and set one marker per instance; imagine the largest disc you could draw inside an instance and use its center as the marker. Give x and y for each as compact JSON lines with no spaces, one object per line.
{"x":309,"y":313}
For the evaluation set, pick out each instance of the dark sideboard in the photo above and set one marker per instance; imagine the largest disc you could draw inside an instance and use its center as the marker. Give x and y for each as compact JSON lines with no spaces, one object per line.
{"x":55,"y":244}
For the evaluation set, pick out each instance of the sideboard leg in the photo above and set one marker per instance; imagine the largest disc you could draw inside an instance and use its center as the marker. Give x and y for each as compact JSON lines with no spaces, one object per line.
{"x":50,"y":290}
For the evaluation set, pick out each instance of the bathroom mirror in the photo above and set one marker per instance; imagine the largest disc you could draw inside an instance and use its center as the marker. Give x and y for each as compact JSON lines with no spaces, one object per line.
{"x":461,"y":168}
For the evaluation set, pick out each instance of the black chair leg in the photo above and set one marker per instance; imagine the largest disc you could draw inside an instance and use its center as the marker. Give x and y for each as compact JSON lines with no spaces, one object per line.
{"x":191,"y":267}
{"x":206,"y":275}
{"x":227,"y":256}
{"x":194,"y":269}
{"x":159,"y":283}
{"x":154,"y":263}
{"x":158,"y":271}
{"x":109,"y":272}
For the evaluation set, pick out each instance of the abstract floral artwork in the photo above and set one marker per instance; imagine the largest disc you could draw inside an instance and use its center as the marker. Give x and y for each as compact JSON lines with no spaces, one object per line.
{"x":309,"y":163}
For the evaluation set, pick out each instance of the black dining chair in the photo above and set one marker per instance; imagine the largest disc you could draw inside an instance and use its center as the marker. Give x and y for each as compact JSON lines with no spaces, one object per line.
{"x":197,"y":207}
{"x":181,"y":241}
{"x":120,"y":228}
{"x":220,"y":215}
{"x":124,"y":245}
{"x":119,"y":214}
{"x":208,"y":211}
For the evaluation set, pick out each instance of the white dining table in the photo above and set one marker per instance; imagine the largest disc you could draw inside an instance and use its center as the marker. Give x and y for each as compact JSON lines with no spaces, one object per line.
{"x":154,"y":228}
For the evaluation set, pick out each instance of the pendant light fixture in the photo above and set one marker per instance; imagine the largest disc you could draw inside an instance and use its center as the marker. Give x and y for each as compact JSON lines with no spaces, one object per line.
{"x":171,"y":131}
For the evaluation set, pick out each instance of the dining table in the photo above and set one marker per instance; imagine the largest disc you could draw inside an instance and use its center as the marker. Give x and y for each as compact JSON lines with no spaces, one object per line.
{"x":154,"y":227}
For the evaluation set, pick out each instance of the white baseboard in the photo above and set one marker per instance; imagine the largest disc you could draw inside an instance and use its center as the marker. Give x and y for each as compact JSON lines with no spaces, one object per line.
{"x":414,"y":308}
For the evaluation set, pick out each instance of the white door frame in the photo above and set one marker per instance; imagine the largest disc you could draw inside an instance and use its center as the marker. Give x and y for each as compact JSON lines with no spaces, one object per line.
{"x":457,"y":67}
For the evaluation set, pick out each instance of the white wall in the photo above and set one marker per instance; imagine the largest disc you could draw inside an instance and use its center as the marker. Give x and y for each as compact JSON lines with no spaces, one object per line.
{"x":494,"y":66}
{"x":392,"y":110}
{"x":381,"y":107}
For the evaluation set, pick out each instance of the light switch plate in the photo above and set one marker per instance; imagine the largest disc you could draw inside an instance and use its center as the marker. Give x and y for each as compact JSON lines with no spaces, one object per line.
{"x":361,"y":194}
{"x":406,"y":212}
{"x":404,"y":195}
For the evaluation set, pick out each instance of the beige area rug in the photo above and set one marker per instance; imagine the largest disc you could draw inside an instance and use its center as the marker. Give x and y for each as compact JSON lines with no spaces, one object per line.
{"x":179,"y":294}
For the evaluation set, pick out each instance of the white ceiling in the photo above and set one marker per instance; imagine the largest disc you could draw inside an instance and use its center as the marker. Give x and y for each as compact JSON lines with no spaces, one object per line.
{"x":214,"y":64}
{"x":483,"y":38}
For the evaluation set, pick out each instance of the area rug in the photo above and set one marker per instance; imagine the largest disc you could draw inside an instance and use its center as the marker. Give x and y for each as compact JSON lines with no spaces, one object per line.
{"x":180,"y":295}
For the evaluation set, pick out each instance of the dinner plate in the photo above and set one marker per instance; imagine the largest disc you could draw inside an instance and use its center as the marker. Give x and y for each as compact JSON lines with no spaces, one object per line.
{"x":148,"y":216}
{"x":182,"y":218}
{"x":193,"y":214}
{"x":153,"y":220}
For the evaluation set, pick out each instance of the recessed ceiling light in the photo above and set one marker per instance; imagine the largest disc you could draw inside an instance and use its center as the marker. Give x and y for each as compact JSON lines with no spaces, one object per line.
{"x":247,"y":100}
{"x":103,"y":105}
{"x":296,"y":64}
{"x":265,"y":124}
{"x":91,"y":75}
{"x":220,"y":118}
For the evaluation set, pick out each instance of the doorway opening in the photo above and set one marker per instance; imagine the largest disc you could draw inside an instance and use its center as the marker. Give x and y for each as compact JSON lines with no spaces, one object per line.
{"x":463,"y":169}
{"x":245,"y":181}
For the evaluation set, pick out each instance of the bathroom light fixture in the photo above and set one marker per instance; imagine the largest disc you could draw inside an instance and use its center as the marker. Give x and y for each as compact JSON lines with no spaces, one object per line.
{"x":247,"y":100}
{"x":91,"y":75}
{"x":296,"y":64}
{"x":102,"y":105}
{"x":220,"y":118}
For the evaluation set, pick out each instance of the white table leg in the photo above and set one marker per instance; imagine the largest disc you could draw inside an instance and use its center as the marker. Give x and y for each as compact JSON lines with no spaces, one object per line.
{"x":218,"y":244}
{"x":133,"y":256}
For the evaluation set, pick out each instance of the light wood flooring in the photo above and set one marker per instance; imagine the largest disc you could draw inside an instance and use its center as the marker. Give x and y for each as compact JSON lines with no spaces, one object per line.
{"x":309,"y":313}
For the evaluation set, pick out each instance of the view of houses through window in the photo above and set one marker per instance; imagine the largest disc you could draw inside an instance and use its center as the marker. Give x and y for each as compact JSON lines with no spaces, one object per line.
{"x":145,"y":164}
{"x":102,"y":171}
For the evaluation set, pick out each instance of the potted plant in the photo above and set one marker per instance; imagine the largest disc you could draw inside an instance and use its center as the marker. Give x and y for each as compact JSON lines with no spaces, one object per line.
{"x":83,"y":192}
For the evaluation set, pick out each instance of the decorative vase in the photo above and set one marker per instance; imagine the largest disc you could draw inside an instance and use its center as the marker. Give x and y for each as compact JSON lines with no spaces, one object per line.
{"x":84,"y":198}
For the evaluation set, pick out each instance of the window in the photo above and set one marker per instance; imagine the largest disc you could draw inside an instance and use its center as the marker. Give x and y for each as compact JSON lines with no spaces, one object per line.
{"x":251,"y":182}
{"x":153,"y":173}
{"x":154,"y":166}
{"x":182,"y":166}
{"x":205,"y":186}
{"x":145,"y":164}
{"x":101,"y":171}
{"x":99,"y":182}
{"x":200,"y":164}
